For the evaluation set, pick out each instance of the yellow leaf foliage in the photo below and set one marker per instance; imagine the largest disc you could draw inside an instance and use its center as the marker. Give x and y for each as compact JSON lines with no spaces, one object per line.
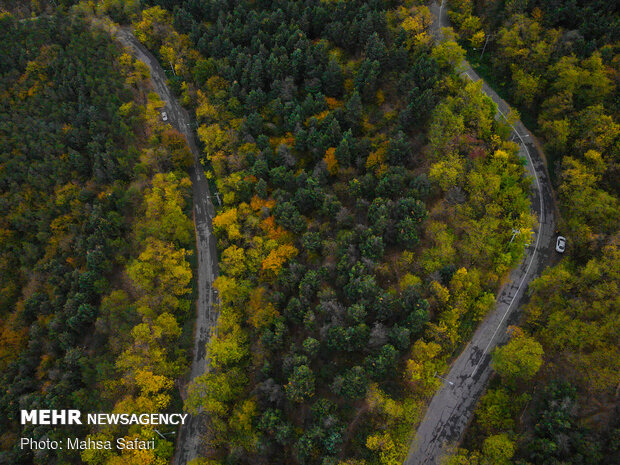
{"x":333,"y":103}
{"x":331,"y":161}
{"x":379,"y":402}
{"x":277,"y":258}
{"x":376,"y":160}
{"x":257,"y":204}
{"x":384,"y":445}
{"x":274,"y":231}
{"x":261,"y":312}
{"x":227,"y":222}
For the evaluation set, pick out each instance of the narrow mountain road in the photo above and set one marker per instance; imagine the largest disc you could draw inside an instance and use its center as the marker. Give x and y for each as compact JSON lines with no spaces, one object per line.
{"x":188,"y":443}
{"x":452,"y":406}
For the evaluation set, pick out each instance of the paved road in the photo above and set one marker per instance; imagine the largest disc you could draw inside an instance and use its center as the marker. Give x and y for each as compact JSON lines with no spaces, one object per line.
{"x":453,"y":404}
{"x":188,"y":444}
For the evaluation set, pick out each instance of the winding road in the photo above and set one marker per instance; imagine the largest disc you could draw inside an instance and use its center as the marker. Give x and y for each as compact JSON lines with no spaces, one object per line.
{"x":452,"y":406}
{"x":189,"y":443}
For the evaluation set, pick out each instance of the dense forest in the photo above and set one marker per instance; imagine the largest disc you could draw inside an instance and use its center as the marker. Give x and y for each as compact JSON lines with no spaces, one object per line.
{"x":558,"y":61}
{"x":96,"y":238}
{"x":369,"y":198}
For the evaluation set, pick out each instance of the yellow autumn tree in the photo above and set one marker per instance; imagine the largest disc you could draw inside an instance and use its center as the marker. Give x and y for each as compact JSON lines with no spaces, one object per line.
{"x":161,"y":274}
{"x":261,"y":312}
{"x":231,"y":291}
{"x":379,"y":402}
{"x":164,"y":217}
{"x":241,"y":424}
{"x":153,"y":27}
{"x":448,"y":172}
{"x":273,"y":263}
{"x":227,"y":222}
{"x":421,"y":367}
{"x":417,"y":24}
{"x":147,"y":350}
{"x":330,"y":161}
{"x":229,"y":347}
{"x":233,"y":261}
{"x":376,"y":160}
{"x":213,"y":137}
{"x":383,"y":444}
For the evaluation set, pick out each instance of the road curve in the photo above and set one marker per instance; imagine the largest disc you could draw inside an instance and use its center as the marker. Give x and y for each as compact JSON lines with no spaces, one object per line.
{"x":188,"y":443}
{"x":453,"y":404}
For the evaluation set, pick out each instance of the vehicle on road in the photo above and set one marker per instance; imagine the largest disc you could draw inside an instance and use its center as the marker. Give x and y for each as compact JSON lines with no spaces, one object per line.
{"x":560,"y":244}
{"x":164,"y":116}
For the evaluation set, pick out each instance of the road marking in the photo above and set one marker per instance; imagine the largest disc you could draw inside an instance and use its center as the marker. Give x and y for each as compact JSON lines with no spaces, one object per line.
{"x":441,"y":425}
{"x":542,"y":212}
{"x":439,"y":19}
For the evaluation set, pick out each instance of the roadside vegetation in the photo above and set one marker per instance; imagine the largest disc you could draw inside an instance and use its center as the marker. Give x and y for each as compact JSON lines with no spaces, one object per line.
{"x":369,"y":198}
{"x":558,"y":61}
{"x":96,"y":239}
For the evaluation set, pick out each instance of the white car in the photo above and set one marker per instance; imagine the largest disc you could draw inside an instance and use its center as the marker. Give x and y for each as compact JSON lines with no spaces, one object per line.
{"x":164,"y":116}
{"x":560,"y":244}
